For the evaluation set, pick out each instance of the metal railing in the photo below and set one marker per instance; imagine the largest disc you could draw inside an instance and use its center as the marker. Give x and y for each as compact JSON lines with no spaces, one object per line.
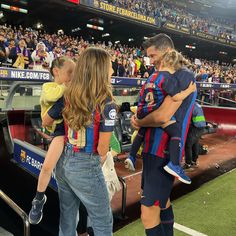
{"x":19,"y":211}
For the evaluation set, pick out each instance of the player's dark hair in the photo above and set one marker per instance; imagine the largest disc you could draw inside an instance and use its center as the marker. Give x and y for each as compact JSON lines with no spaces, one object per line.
{"x":160,"y":41}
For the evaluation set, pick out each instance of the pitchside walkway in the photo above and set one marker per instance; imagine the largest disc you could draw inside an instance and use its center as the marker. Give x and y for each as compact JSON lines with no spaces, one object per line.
{"x":209,"y":210}
{"x":220,"y":159}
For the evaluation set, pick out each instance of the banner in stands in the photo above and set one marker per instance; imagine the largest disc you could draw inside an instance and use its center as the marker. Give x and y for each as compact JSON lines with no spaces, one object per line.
{"x":31,"y":161}
{"x":216,"y":85}
{"x":176,"y":27}
{"x":24,"y":75}
{"x":182,"y":29}
{"x":118,"y":11}
{"x":138,"y":82}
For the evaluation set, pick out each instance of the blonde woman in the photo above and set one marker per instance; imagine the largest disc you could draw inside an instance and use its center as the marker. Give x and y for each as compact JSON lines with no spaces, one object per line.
{"x":89,"y":115}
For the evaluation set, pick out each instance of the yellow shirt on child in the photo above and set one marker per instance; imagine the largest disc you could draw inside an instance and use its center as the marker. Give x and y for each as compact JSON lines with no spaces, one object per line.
{"x":51,"y":92}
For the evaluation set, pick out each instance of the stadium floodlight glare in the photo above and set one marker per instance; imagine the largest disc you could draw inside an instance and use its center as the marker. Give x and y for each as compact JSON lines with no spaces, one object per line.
{"x":95,"y":27}
{"x":75,"y":29}
{"x":13,"y":8}
{"x":105,"y":35}
{"x":145,"y":38}
{"x":39,"y":25}
{"x":1,"y":15}
{"x":60,"y":32}
{"x":118,"y":41}
{"x":131,"y":40}
{"x":223,"y":53}
{"x":190,"y":46}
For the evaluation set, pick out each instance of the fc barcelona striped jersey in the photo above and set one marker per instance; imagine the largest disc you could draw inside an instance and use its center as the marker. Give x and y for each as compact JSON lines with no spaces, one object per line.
{"x":86,"y":139}
{"x":153,"y":93}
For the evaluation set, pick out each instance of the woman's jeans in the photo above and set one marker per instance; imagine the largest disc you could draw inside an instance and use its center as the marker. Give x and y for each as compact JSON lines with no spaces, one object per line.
{"x":80,"y":178}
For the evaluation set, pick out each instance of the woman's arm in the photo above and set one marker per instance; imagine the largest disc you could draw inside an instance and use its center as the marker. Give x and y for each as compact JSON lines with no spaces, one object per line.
{"x":104,"y":144}
{"x":160,"y":116}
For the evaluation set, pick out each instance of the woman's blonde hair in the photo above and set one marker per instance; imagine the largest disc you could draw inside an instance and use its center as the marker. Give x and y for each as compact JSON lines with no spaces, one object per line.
{"x":90,"y":88}
{"x":174,"y":59}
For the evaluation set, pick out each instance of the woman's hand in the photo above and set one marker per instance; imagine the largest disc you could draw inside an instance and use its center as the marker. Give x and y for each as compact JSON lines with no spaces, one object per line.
{"x":103,"y":159}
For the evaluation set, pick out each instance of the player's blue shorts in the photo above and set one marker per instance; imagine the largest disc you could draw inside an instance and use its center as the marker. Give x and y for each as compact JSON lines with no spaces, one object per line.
{"x":156,"y":182}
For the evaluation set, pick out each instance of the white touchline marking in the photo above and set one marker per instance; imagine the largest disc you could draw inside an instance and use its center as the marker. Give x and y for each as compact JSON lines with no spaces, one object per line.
{"x":188,"y":230}
{"x":128,"y":176}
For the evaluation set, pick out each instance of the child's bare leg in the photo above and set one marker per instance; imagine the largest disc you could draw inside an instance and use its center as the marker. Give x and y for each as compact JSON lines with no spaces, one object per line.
{"x":53,"y":155}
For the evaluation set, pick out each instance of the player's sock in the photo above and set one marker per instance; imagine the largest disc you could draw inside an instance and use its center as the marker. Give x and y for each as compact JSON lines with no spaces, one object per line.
{"x":155,"y":231}
{"x":167,"y":221}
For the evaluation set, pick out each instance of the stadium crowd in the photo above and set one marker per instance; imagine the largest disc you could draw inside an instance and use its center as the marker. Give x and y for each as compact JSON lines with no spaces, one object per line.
{"x":28,"y":48}
{"x":167,"y":11}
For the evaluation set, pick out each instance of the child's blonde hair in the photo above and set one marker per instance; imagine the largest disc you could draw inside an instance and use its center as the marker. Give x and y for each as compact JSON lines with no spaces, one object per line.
{"x":174,"y":59}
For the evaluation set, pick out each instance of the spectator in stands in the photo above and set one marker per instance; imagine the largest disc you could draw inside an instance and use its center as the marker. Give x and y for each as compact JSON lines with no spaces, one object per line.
{"x":202,"y":76}
{"x":30,"y":44}
{"x":157,"y":214}
{"x":114,"y":65}
{"x":90,"y":115}
{"x":143,"y":69}
{"x":41,"y":58}
{"x":11,"y":45}
{"x":3,"y":56}
{"x":57,"y":46}
{"x":20,"y":55}
{"x":123,"y":68}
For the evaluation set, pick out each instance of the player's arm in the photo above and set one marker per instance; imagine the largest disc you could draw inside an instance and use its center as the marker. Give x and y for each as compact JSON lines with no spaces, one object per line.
{"x":185,"y":93}
{"x":160,"y":116}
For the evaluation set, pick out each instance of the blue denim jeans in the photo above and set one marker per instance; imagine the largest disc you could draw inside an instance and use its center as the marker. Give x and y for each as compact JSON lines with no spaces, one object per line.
{"x":79,"y":177}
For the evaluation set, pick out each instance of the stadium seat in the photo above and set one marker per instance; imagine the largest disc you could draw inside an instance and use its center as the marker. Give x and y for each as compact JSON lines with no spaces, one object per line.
{"x":16,"y":123}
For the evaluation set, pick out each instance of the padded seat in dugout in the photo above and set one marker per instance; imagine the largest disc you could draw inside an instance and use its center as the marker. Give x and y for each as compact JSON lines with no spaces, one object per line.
{"x":39,"y":136}
{"x":125,"y":106}
{"x":36,"y":122}
{"x":16,"y":123}
{"x":125,"y":123}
